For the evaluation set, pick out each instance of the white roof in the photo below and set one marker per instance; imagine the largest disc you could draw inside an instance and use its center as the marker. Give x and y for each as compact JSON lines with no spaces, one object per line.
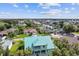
{"x":3,"y":37}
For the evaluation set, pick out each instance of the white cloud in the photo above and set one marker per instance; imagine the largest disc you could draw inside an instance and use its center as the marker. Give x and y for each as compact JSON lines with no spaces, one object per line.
{"x":45,"y":7}
{"x":54,"y":12}
{"x":67,"y":11}
{"x":72,"y":8}
{"x":15,"y":5}
{"x":48,"y":5}
{"x":54,"y":4}
{"x":4,"y":13}
{"x":28,"y":10}
{"x":31,"y":11}
{"x":77,"y":3}
{"x":34,"y":11}
{"x":26,"y":6}
{"x":66,"y":8}
{"x":73,"y":3}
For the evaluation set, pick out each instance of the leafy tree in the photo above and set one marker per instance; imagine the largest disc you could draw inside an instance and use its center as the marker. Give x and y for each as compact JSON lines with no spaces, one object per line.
{"x":64,"y":48}
{"x":72,"y":52}
{"x":11,"y":34}
{"x":58,"y":43}
{"x":57,"y":52}
{"x":1,"y":48}
{"x":76,"y":48}
{"x":68,"y":28}
{"x":65,"y":43}
{"x":2,"y":28}
{"x":21,"y":46}
{"x":23,"y":52}
{"x":7,"y":26}
{"x":55,"y":23}
{"x":65,"y":52}
{"x":29,"y":23}
{"x":20,"y":29}
{"x":1,"y":51}
{"x":28,"y":52}
{"x":75,"y":28}
{"x":20,"y":53}
{"x":61,"y":23}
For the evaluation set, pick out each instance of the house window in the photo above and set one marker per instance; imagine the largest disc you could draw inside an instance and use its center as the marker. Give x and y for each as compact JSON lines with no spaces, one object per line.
{"x":37,"y":47}
{"x":37,"y":53}
{"x":43,"y":51}
{"x":43,"y":46}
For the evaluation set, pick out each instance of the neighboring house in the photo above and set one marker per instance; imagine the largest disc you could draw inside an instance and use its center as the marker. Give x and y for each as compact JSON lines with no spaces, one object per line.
{"x":2,"y":33}
{"x":2,"y":38}
{"x":21,"y":23}
{"x":7,"y":44}
{"x":36,"y":22}
{"x":56,"y":36}
{"x":30,"y":31}
{"x":40,"y":45}
{"x":72,"y":38}
{"x":11,"y":30}
{"x":5,"y":32}
{"x":47,"y":28}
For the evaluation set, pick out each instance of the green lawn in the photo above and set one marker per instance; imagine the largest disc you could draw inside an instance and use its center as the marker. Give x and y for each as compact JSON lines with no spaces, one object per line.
{"x":20,"y":36}
{"x":42,"y":34}
{"x":75,"y":32}
{"x":2,"y":23}
{"x":24,"y":35}
{"x":15,"y":46}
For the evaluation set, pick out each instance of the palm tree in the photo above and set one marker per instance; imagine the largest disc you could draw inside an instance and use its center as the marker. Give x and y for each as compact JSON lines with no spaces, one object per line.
{"x":28,"y":52}
{"x":65,"y":52}
{"x":56,"y":52}
{"x":19,"y":53}
{"x":6,"y":52}
{"x":1,"y":49}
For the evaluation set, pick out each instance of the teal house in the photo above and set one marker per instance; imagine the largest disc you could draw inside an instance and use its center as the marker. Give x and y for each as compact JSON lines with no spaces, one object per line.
{"x":40,"y":45}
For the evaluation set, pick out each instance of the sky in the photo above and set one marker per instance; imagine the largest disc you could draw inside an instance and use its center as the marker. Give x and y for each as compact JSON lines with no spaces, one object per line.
{"x":39,"y":10}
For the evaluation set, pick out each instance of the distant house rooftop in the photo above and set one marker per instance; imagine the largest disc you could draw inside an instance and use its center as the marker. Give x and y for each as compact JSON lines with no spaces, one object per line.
{"x":5,"y":32}
{"x":38,"y":41}
{"x":31,"y":30}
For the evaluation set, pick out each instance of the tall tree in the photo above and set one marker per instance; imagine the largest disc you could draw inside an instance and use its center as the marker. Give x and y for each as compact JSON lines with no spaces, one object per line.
{"x":68,"y":28}
{"x":61,"y":23}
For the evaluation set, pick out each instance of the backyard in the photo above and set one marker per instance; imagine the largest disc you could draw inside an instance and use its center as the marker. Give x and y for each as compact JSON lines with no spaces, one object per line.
{"x":76,"y":33}
{"x":20,"y":36}
{"x":18,"y":45}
